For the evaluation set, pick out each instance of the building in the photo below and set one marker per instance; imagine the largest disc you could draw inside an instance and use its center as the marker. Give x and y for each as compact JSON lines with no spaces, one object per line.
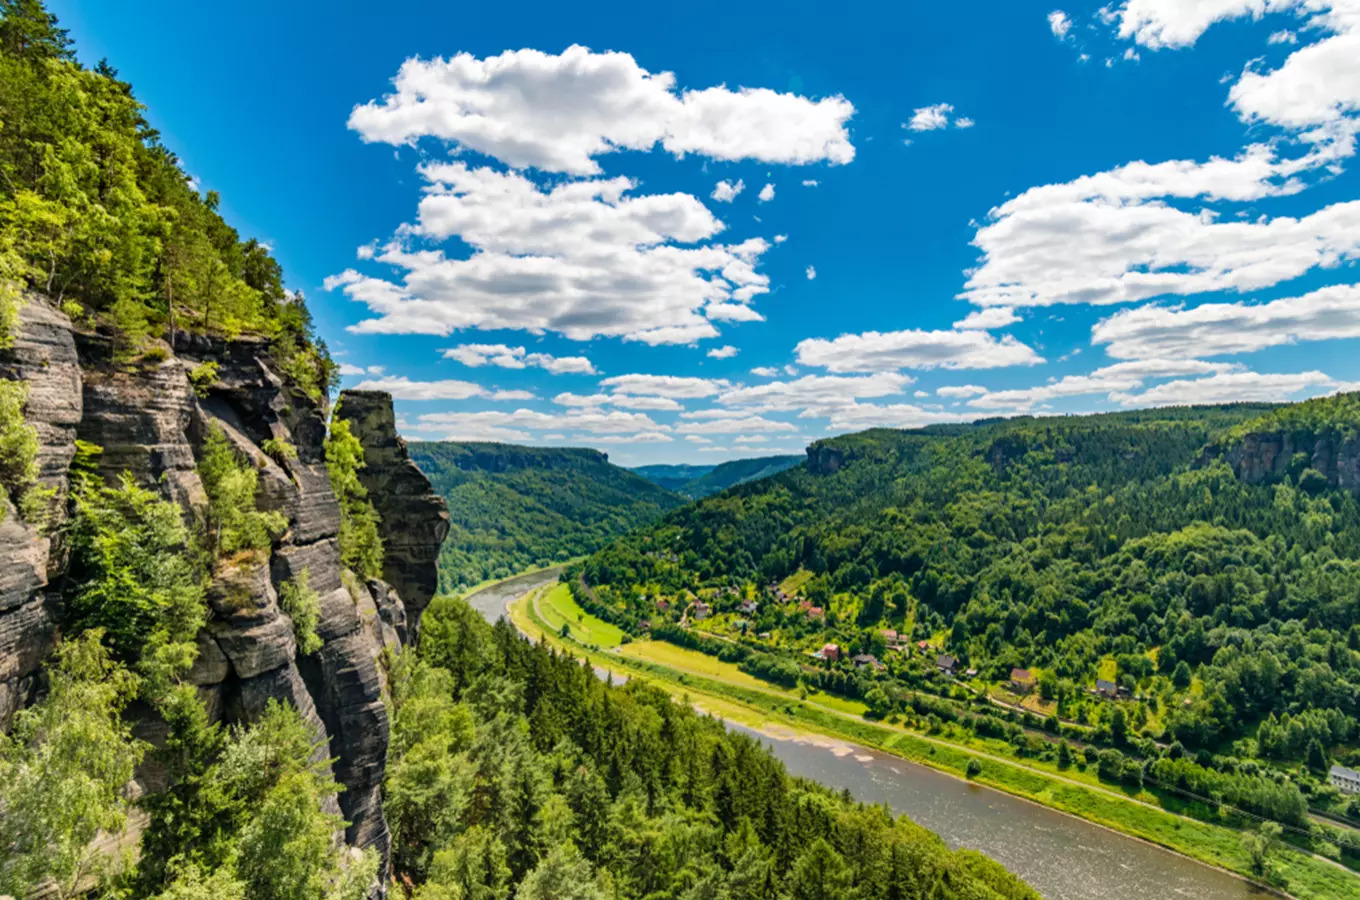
{"x":1022,"y":680}
{"x":815,"y":612}
{"x":702,"y":610}
{"x":662,"y":606}
{"x":946,"y":663}
{"x":867,"y":661}
{"x":749,"y":606}
{"x":1106,"y":688}
{"x":1345,"y":780}
{"x":831,"y":652}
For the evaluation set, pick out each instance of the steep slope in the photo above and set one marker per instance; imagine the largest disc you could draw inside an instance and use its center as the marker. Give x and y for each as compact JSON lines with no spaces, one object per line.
{"x":738,"y":471}
{"x":672,"y":476}
{"x":514,"y":507}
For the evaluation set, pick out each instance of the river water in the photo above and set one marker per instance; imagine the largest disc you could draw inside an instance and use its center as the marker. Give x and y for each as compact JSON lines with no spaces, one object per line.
{"x":1063,"y":857}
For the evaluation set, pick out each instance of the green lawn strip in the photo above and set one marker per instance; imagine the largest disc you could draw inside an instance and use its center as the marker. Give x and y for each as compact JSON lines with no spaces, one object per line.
{"x":492,"y":582}
{"x":1218,"y":845}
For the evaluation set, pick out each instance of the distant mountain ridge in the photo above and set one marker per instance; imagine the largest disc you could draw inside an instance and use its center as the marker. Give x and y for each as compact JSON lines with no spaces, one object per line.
{"x":696,"y":482}
{"x":514,"y":507}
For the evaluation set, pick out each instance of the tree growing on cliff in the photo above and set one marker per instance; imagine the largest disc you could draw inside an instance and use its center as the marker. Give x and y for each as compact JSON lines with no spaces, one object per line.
{"x":361,"y":547}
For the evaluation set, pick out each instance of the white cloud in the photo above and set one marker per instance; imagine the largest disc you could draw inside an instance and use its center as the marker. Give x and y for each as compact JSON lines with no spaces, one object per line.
{"x":1217,"y":329}
{"x":593,"y":421}
{"x":623,"y":401}
{"x":765,"y":372}
{"x":780,"y":238}
{"x":582,"y":258}
{"x":1131,"y":55}
{"x":920,"y":394}
{"x":645,"y":437}
{"x":810,"y":182}
{"x":715,"y":450}
{"x":987,"y":319}
{"x":1114,"y":238}
{"x":812,"y":393}
{"x":1113,"y":380}
{"x":811,"y":273}
{"x":741,"y":425}
{"x":895,"y":415}
{"x":697,"y":439}
{"x":1059,"y":24}
{"x":1231,"y":387}
{"x":354,"y":371}
{"x":929,"y":118}
{"x":962,"y":390}
{"x":766,"y":193}
{"x":558,"y":112}
{"x":512,"y":395}
{"x":873,"y":351}
{"x":507,"y":357}
{"x":726,"y":191}
{"x":675,"y":386}
{"x":403,"y":388}
{"x":752,"y":439}
{"x":724,"y":352}
{"x":964,"y":122}
{"x":1283,"y":37}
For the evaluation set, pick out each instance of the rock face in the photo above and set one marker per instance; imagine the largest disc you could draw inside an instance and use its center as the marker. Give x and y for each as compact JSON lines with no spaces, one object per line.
{"x":823,"y":459}
{"x":415,"y":519}
{"x":151,"y":423}
{"x":44,"y":357}
{"x":1267,"y":456}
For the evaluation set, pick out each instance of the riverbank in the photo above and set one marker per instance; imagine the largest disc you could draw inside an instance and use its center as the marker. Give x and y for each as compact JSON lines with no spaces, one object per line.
{"x":1305,"y":876}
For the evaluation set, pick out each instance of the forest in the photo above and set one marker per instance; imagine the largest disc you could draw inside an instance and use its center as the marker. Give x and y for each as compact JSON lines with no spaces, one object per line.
{"x":703,"y":481}
{"x":1204,"y":561}
{"x":514,"y":508}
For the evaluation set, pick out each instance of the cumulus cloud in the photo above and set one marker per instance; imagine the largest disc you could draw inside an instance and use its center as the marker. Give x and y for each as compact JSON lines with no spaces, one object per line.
{"x":765,"y":372}
{"x":726,"y":191}
{"x":987,"y":319}
{"x":810,"y":395}
{"x":1232,"y":387}
{"x":582,"y":258}
{"x":810,"y":182}
{"x":766,"y":193}
{"x":1059,"y":24}
{"x":1115,"y":381}
{"x":591,"y":421}
{"x":354,"y":371}
{"x":961,"y":390}
{"x":507,"y":357}
{"x":930,"y":118}
{"x":811,"y":273}
{"x":676,"y":386}
{"x":1217,"y":329}
{"x":623,"y":401}
{"x":403,"y":388}
{"x":892,"y":415}
{"x":558,"y":112}
{"x":734,"y":425}
{"x":752,"y":439}
{"x":873,"y":351}
{"x":724,"y":352}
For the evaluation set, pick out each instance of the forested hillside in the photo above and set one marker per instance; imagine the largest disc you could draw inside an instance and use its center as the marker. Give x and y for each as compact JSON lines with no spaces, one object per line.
{"x":516,"y":507}
{"x":516,"y":771}
{"x":1188,"y":577}
{"x":671,"y":476}
{"x":703,"y":481}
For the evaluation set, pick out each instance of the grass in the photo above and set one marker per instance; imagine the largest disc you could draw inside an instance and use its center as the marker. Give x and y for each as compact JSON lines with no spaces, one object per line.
{"x":559,"y":608}
{"x":710,"y":683}
{"x":794,"y":583}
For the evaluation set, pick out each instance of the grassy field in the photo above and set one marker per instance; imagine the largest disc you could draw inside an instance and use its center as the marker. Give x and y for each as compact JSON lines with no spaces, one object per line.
{"x":723,"y":690}
{"x":559,"y":608}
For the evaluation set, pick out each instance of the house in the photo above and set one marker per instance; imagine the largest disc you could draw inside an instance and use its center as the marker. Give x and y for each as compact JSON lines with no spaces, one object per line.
{"x":971,"y":673}
{"x":923,"y":645}
{"x":662,"y":606}
{"x":946,"y":663}
{"x":765,"y":635}
{"x":702,"y":610}
{"x":749,"y":606}
{"x":644,"y":625}
{"x":815,"y":612}
{"x":867,"y":661}
{"x":1106,"y":688}
{"x":1022,"y":680}
{"x":831,"y":652}
{"x":1345,"y":780}
{"x":889,"y":636}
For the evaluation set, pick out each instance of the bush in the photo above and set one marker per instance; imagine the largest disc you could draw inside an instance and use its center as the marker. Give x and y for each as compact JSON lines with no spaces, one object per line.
{"x":280,"y":450}
{"x":361,"y":547}
{"x":202,"y":377}
{"x":303,"y":606}
{"x":974,"y":767}
{"x":19,"y":456}
{"x":234,"y":522}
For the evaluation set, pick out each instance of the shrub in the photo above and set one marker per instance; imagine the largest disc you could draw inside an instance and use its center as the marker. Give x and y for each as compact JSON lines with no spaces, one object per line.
{"x":19,"y":455}
{"x":303,"y":606}
{"x":361,"y":547}
{"x":280,"y":450}
{"x":234,"y":522}
{"x":202,"y":376}
{"x":974,"y":768}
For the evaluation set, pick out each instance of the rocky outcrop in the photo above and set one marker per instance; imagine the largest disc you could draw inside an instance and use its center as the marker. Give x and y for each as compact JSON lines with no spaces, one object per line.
{"x":824,"y":459}
{"x":415,"y":519}
{"x":43,"y":356}
{"x":150,"y":420}
{"x":1267,"y":456}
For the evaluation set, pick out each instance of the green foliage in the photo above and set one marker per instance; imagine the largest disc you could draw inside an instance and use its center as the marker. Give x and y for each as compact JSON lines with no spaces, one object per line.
{"x":282,"y":451}
{"x":517,"y":507}
{"x":303,"y":606}
{"x":234,"y":523}
{"x":132,"y":574}
{"x":361,"y":546}
{"x":93,"y":206}
{"x":202,"y":377}
{"x":63,"y":768}
{"x":19,"y":457}
{"x":515,"y":771}
{"x":703,"y":481}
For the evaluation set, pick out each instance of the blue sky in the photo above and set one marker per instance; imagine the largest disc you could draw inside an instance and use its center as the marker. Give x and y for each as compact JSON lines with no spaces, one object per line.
{"x":1008,"y":208}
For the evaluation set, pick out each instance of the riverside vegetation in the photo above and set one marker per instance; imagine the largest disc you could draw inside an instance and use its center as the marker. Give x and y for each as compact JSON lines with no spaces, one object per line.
{"x":1200,"y":564}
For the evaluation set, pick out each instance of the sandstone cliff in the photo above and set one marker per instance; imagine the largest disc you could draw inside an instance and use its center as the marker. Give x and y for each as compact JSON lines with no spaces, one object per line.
{"x":150,"y":421}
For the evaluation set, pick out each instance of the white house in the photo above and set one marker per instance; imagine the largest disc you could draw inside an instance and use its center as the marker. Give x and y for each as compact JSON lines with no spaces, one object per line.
{"x":1345,"y":780}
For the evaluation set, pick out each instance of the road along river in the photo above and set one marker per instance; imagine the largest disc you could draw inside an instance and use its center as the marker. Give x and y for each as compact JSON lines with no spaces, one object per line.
{"x":1063,"y":857}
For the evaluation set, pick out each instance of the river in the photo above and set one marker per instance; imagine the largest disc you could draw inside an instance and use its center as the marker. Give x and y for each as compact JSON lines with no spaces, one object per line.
{"x":1063,"y":857}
